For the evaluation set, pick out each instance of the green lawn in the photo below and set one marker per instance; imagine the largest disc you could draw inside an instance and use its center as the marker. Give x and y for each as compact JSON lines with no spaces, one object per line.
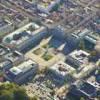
{"x":45,"y":46}
{"x":37,"y":51}
{"x":47,"y":57}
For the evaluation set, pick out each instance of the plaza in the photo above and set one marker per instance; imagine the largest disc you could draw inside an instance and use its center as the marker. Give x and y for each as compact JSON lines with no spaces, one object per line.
{"x":45,"y":54}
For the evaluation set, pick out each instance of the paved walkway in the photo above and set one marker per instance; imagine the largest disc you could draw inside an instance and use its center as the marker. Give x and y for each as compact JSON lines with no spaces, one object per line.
{"x":42,"y":63}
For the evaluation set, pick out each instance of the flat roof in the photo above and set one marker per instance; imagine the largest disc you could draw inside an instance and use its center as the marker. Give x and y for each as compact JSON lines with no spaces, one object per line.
{"x":23,"y":34}
{"x":94,"y":79}
{"x":94,"y":35}
{"x":23,"y":67}
{"x":13,"y":56}
{"x":62,"y":68}
{"x":3,"y":50}
{"x":85,"y":87}
{"x":79,"y":55}
{"x":15,"y":71}
{"x":4,"y":63}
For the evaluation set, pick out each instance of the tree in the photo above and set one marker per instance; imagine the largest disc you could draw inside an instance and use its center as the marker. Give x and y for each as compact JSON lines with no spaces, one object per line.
{"x":82,"y":98}
{"x":81,"y":45}
{"x":6,"y":95}
{"x":11,"y":91}
{"x":34,"y":98}
{"x":20,"y":94}
{"x":8,"y":40}
{"x":1,"y":74}
{"x":32,"y":28}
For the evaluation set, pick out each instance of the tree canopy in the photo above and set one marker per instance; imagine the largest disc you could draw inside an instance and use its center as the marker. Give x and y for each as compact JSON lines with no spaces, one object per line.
{"x":11,"y":91}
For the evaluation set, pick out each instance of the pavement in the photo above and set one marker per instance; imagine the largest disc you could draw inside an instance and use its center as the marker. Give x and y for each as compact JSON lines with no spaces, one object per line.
{"x":42,"y":63}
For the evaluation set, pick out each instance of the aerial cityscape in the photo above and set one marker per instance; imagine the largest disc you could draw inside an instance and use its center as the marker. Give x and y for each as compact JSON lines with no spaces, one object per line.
{"x":49,"y":49}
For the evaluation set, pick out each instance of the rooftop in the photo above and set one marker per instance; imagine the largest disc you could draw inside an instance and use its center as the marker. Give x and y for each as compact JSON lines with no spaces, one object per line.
{"x":62,"y":68}
{"x":86,"y":88}
{"x":11,"y":14}
{"x":82,"y":33}
{"x":13,"y":56}
{"x":23,"y":67}
{"x":79,"y":55}
{"x":47,"y":3}
{"x":22,"y":34}
{"x":3,"y":23}
{"x":3,"y":50}
{"x":4,"y":63}
{"x":94,"y":79}
{"x":93,"y":37}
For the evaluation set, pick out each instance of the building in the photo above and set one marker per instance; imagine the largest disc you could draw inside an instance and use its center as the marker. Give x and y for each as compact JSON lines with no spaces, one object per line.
{"x":61,"y":71}
{"x":15,"y":57}
{"x":15,"y":17}
{"x":78,"y":58}
{"x":5,"y":27}
{"x":47,"y":5}
{"x":5,"y":65}
{"x":23,"y":72}
{"x":19,"y":20}
{"x":83,"y":89}
{"x":3,"y":51}
{"x":92,"y":37}
{"x":81,"y":33}
{"x":24,"y":37}
{"x":94,"y":79}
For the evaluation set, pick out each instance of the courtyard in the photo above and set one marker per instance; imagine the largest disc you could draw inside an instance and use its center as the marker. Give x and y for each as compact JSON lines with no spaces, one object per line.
{"x":46,"y":53}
